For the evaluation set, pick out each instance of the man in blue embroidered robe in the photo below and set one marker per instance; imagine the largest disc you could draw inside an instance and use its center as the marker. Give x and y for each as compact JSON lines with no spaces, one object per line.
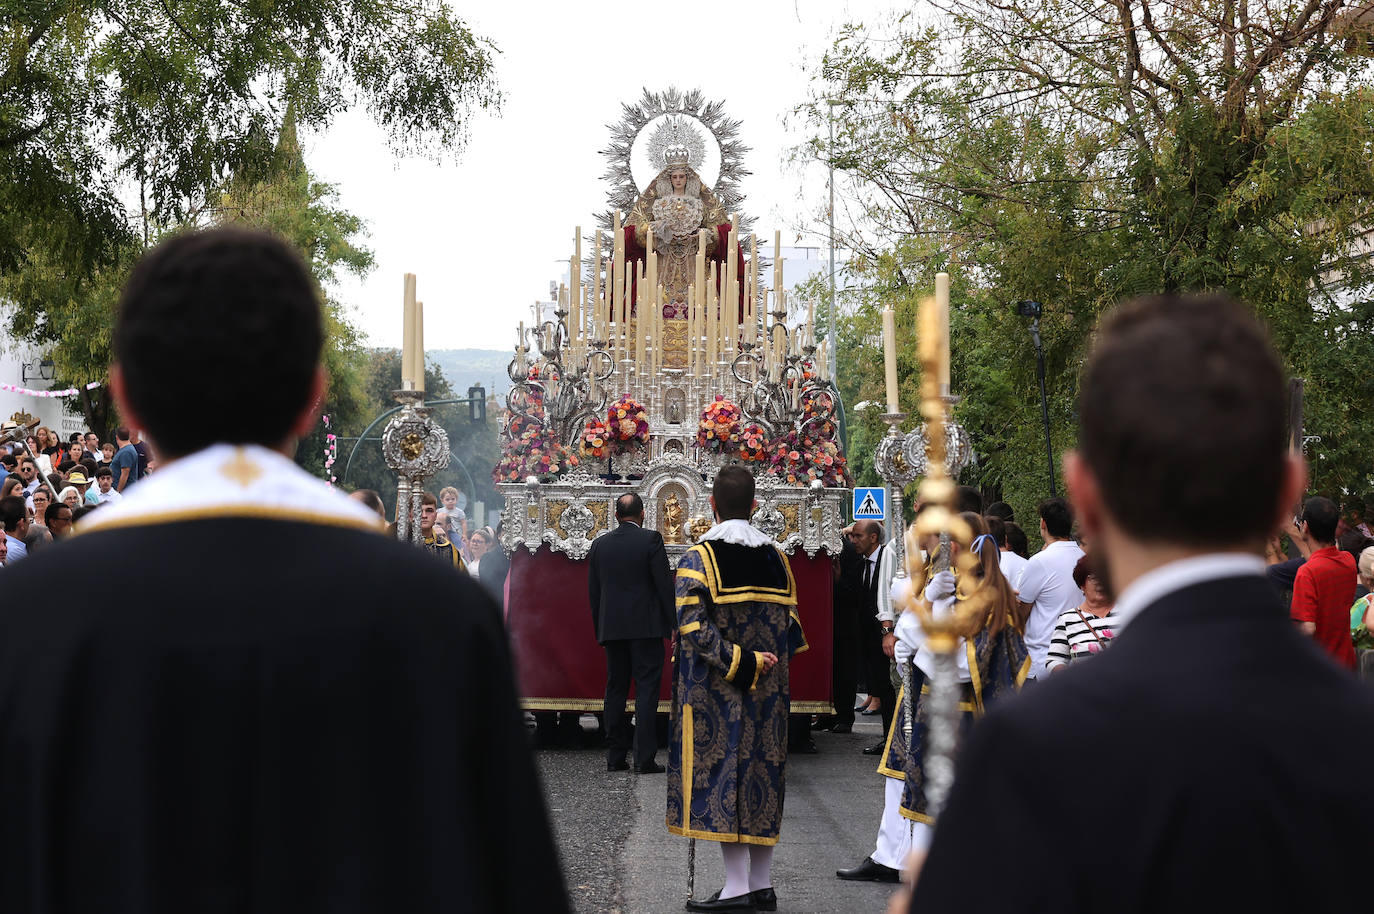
{"x":737,"y":629}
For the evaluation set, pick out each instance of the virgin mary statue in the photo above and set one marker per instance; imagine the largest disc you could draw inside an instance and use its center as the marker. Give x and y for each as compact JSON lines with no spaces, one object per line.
{"x":669,"y":216}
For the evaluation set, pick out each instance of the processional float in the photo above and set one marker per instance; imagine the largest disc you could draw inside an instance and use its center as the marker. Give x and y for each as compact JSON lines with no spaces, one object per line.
{"x":668,"y":356}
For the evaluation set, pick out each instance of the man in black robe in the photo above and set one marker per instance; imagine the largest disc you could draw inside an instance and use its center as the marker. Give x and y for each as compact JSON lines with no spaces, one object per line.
{"x":277,"y":710}
{"x":1213,"y":759}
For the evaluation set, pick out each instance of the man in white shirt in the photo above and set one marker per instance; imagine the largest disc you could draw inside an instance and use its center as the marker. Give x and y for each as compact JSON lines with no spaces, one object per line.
{"x":1045,"y":586}
{"x":1010,"y":563}
{"x":104,"y":491}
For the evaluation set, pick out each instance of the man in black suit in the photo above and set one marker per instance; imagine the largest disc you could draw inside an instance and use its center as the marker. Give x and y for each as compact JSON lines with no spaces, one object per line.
{"x":631,"y":592}
{"x":267,"y":726}
{"x":1205,"y":761}
{"x":868,"y":539}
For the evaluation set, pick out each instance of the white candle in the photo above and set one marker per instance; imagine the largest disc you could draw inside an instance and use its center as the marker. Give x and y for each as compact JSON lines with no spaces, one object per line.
{"x":596,"y":286}
{"x":942,"y":309}
{"x":890,"y":357}
{"x":419,"y":345}
{"x":408,"y":333}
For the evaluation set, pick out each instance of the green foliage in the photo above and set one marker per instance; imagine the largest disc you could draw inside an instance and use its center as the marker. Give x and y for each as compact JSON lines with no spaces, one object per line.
{"x":1107,"y":150}
{"x":156,"y":106}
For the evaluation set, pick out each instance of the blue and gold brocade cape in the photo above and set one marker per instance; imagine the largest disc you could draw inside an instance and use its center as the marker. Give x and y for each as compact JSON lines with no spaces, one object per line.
{"x":728,"y":749}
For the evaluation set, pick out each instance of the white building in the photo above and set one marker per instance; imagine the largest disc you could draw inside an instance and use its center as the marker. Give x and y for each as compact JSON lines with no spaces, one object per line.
{"x":22,"y":367}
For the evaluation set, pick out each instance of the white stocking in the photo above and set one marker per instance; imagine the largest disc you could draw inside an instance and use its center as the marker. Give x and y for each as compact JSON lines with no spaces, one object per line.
{"x":760,"y":867}
{"x":736,"y":870}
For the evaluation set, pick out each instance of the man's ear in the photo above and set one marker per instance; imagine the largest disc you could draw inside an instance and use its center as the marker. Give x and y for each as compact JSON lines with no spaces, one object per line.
{"x":305,"y":422}
{"x":127,"y":414}
{"x":1084,"y":493}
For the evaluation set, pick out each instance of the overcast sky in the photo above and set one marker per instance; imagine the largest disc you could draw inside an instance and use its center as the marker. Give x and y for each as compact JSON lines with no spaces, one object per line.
{"x":484,"y":234}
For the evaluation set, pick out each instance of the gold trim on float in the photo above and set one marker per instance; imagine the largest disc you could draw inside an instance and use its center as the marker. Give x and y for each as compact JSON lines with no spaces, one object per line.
{"x":596,"y":704}
{"x":580,"y":704}
{"x":235,"y":512}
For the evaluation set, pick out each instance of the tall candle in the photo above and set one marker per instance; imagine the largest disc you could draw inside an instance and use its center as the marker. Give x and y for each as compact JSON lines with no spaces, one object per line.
{"x":419,"y":363}
{"x":596,"y":285}
{"x":692,"y":329}
{"x":890,"y":357}
{"x":408,"y":333}
{"x":777,"y":261}
{"x":751,"y":317}
{"x":575,"y":283}
{"x":942,"y":309}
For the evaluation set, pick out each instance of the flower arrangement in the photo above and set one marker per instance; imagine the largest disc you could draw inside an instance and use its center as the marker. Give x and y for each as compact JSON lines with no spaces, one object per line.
{"x":536,"y":452}
{"x":753,"y":443}
{"x":627,"y":425}
{"x":596,"y":439}
{"x":797,"y":460}
{"x":718,"y":429}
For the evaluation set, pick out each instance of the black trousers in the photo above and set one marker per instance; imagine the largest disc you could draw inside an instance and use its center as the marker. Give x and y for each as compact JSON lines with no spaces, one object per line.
{"x":844,"y":664}
{"x":642,"y":660}
{"x":876,"y":665}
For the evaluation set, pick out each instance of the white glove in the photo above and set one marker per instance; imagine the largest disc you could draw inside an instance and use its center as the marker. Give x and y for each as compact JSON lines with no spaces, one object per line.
{"x":941,"y":586}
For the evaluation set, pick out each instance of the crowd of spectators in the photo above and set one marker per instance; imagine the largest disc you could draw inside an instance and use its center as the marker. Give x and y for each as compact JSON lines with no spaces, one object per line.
{"x":47,"y":486}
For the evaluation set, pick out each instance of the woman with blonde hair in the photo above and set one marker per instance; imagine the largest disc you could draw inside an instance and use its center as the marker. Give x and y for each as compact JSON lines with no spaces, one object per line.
{"x":1362,"y":613}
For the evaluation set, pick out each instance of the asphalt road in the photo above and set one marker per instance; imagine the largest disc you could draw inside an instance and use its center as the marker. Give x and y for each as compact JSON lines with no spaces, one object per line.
{"x":618,"y":857}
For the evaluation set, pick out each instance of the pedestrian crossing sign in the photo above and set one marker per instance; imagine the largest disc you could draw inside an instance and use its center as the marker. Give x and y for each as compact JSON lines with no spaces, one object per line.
{"x":870,"y":503}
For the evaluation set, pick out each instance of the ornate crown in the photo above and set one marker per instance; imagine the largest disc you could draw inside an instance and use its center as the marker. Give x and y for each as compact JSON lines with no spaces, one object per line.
{"x":677,"y":156}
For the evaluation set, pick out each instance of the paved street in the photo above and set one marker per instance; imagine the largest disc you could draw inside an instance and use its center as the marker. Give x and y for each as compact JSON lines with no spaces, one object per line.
{"x":618,"y":856}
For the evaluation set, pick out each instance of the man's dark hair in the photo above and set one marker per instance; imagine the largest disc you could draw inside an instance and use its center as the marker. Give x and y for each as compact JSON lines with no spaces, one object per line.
{"x":52,"y":511}
{"x":999,"y":509}
{"x":969,"y":499}
{"x":1321,"y":516}
{"x":12,"y":511}
{"x":1177,"y":386}
{"x":1058,"y":517}
{"x":997,"y":529}
{"x":8,"y":461}
{"x":733,"y":491}
{"x":629,"y":505}
{"x":1353,"y":542}
{"x":373,"y":500}
{"x":428,"y":498}
{"x":56,"y":481}
{"x":104,"y":471}
{"x":1016,"y":540}
{"x":228,"y":304}
{"x":81,"y":511}
{"x":66,"y":466}
{"x":122,"y":433}
{"x":89,"y":465}
{"x":27,"y":459}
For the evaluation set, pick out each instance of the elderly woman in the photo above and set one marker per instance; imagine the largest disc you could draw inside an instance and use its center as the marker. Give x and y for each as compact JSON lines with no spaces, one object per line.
{"x":1362,"y":613}
{"x":1087,"y":629}
{"x":478,"y":544}
{"x":70,"y":497}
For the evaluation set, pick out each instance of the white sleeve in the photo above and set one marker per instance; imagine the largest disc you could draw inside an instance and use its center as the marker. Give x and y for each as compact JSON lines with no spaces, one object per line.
{"x":1030,"y":582}
{"x":885,"y":574}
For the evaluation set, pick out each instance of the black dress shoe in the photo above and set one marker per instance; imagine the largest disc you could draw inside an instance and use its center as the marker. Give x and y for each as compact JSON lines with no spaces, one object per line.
{"x":875,"y":749}
{"x":617,"y":765}
{"x":649,"y":768}
{"x":806,"y":748}
{"x":765,"y":899}
{"x":739,"y":904}
{"x":869,"y":871}
{"x":842,"y":728}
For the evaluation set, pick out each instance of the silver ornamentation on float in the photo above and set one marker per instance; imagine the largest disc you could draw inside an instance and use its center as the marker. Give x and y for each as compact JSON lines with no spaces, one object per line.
{"x":415,"y":448}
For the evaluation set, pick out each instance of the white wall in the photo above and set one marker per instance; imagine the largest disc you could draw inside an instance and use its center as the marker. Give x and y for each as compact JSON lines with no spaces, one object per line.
{"x":51,"y":411}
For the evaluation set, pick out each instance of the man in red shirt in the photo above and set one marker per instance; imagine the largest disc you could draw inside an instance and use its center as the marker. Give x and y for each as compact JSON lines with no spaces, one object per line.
{"x":1325,"y":586}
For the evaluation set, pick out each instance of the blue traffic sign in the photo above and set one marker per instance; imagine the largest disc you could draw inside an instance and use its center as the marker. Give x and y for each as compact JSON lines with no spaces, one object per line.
{"x":870,"y":503}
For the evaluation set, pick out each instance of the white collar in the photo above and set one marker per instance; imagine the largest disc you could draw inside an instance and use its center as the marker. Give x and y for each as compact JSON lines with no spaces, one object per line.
{"x":1157,"y":583}
{"x":738,"y":532}
{"x":229,"y":480}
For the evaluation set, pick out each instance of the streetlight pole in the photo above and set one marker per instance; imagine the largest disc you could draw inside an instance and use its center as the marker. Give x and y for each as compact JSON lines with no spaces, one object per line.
{"x":830,"y":329}
{"x":1033,"y":310}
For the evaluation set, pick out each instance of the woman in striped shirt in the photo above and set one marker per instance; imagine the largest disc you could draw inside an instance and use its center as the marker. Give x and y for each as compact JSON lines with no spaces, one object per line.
{"x":1087,"y":629}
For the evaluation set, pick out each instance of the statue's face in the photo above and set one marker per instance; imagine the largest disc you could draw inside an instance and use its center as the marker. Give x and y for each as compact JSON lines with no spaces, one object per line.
{"x":679,"y":179}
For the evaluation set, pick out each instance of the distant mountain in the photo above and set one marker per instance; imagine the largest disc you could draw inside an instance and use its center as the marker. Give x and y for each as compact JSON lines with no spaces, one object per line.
{"x":465,"y":367}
